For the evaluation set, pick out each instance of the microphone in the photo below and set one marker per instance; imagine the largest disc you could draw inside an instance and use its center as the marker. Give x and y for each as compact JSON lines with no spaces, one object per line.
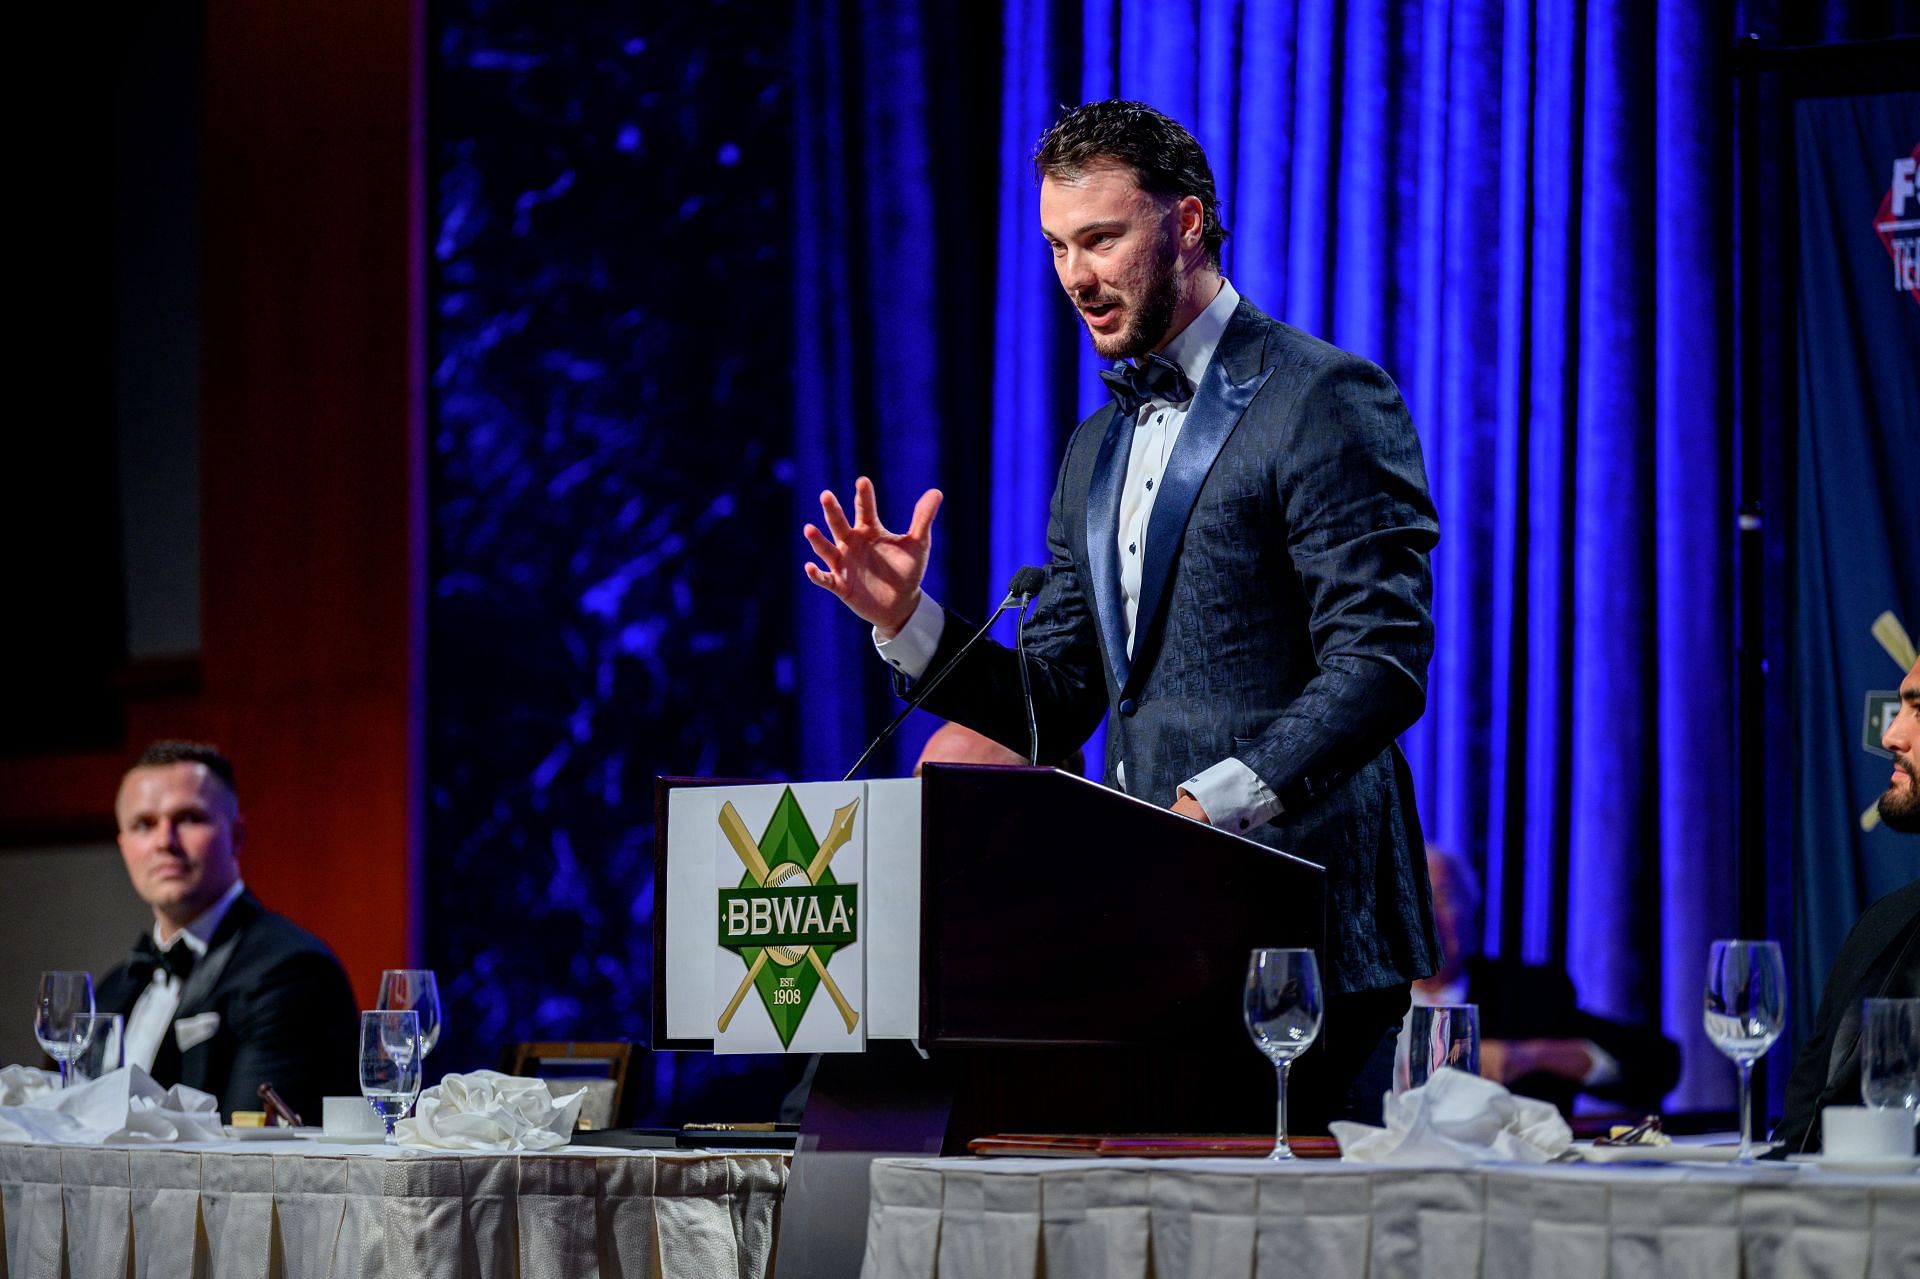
{"x":1025,"y":585}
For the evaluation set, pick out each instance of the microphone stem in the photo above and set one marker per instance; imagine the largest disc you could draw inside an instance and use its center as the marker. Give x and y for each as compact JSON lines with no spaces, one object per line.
{"x":1026,"y":683}
{"x":925,"y":690}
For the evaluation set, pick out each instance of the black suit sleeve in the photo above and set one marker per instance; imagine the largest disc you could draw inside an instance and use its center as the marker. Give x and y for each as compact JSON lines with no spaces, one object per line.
{"x":1538,"y":1001}
{"x":1359,"y":525}
{"x":296,"y":1026}
{"x":1649,"y":1061}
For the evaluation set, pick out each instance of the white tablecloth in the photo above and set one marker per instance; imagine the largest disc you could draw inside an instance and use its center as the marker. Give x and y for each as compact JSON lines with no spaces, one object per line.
{"x":1110,"y":1218}
{"x":292,"y":1209}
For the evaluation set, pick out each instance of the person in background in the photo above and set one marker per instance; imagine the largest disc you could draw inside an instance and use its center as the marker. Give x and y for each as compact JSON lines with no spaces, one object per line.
{"x":221,"y":994}
{"x":1534,"y":1038}
{"x":957,"y":744}
{"x":1879,"y":959}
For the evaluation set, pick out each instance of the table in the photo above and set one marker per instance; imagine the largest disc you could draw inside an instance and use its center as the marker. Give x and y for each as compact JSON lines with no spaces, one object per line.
{"x":1106,"y":1218}
{"x":292,"y":1209}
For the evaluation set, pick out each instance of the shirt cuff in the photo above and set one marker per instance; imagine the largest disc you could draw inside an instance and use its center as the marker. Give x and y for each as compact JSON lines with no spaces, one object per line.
{"x":911,"y":649}
{"x":1234,"y":796}
{"x":1605,"y":1069}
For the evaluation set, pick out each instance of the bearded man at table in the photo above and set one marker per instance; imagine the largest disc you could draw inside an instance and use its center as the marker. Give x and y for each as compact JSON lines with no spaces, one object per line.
{"x":1238,"y":573}
{"x":222,"y":994}
{"x":1880,"y":959}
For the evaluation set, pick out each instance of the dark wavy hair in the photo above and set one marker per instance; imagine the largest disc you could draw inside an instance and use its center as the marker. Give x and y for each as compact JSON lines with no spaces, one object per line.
{"x":1164,"y":157}
{"x":163,"y":753}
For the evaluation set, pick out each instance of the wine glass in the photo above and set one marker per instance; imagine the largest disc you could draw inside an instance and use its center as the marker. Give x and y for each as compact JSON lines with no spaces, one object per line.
{"x":1436,"y":1036}
{"x":65,"y":997}
{"x":1890,"y":1054}
{"x":105,"y":1050}
{"x":390,"y":1061}
{"x":1283,"y":1016}
{"x":414,"y":988}
{"x":1745,"y":1012}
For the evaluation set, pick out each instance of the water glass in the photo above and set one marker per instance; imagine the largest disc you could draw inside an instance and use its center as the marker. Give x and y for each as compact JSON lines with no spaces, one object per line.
{"x":65,"y":997}
{"x":1746,"y":1009}
{"x":106,"y":1049}
{"x":390,"y":1062}
{"x":1890,"y":1054}
{"x":1282,"y":1013}
{"x":413,"y":988}
{"x":1436,"y":1036}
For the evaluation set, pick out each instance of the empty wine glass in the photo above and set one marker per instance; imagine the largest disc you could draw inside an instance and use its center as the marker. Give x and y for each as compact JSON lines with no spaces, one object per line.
{"x":65,"y":998}
{"x":1283,"y":1016}
{"x":105,"y":1050}
{"x":390,"y":1062}
{"x":1745,"y":1012}
{"x":1890,"y":1054}
{"x":413,"y":988}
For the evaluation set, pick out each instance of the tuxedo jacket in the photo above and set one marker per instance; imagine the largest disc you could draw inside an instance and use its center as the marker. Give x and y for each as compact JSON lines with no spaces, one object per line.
{"x":1537,"y":1001}
{"x":1284,"y":619}
{"x":274,"y":1005}
{"x":1879,"y":958}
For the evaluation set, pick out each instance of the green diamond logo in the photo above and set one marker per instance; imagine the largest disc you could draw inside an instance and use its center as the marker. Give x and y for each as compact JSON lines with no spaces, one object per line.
{"x":788,"y":916}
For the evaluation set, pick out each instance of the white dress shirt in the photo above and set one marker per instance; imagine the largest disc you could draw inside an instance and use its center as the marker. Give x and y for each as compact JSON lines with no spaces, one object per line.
{"x":153,"y":1012}
{"x":1232,"y":794}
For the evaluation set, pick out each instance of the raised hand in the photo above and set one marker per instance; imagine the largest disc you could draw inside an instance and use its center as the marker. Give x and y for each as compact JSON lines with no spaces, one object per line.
{"x":875,"y":573}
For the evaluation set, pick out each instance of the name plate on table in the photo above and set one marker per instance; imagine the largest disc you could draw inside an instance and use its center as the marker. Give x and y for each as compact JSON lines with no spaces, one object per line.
{"x":789,"y":974}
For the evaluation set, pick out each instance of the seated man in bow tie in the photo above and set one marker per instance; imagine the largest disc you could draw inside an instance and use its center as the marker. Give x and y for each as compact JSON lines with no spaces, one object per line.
{"x":222,"y":994}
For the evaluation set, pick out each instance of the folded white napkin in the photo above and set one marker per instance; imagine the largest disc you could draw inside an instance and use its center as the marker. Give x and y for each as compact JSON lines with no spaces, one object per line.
{"x":487,"y":1110}
{"x":1457,"y":1118}
{"x":20,"y":1084}
{"x":125,"y":1105}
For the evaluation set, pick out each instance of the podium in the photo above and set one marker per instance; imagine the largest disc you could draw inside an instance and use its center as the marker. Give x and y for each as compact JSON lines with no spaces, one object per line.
{"x":1077,"y":965}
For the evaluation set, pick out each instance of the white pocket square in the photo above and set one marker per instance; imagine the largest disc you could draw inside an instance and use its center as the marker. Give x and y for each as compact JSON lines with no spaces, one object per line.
{"x":190,"y":1032}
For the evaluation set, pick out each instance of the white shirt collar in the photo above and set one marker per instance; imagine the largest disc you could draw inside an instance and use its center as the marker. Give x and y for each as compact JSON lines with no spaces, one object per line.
{"x":200,"y":932}
{"x":1192,"y":349}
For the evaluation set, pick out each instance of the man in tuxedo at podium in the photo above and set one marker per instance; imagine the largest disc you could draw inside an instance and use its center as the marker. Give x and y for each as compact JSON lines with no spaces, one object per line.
{"x":1238,"y":573}
{"x":221,"y":994}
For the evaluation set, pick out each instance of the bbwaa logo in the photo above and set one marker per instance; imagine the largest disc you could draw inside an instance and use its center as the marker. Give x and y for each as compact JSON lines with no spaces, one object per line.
{"x":1898,"y":223}
{"x":788,"y":916}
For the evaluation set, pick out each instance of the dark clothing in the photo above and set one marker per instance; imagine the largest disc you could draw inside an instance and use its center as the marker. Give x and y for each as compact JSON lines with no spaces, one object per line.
{"x":1879,"y":959}
{"x":287,"y":1015}
{"x":1284,"y":619}
{"x":1350,"y":1073}
{"x":1537,"y":1001}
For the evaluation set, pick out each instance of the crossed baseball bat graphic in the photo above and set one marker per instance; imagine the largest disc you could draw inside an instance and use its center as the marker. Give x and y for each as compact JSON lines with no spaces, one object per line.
{"x":749,"y":853}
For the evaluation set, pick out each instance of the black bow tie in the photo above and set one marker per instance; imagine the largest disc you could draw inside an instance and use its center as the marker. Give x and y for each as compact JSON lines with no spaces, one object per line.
{"x":1154,"y":378}
{"x":177,"y":959}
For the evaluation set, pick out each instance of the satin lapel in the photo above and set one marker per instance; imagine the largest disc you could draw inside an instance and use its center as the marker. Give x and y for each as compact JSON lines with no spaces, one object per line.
{"x":1218,"y":404}
{"x":206,"y":973}
{"x":204,"y":977}
{"x":1103,"y":531}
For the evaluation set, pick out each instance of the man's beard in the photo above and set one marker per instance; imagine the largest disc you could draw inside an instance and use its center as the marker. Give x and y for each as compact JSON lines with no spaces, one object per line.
{"x":1900,"y":807}
{"x":1152,"y":316}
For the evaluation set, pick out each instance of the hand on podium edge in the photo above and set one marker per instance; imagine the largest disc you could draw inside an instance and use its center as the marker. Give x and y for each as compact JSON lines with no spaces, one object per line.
{"x":1187,"y":806}
{"x":875,"y":572}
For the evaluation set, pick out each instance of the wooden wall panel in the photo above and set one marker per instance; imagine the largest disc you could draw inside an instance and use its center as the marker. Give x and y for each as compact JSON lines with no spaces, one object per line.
{"x":310,"y":473}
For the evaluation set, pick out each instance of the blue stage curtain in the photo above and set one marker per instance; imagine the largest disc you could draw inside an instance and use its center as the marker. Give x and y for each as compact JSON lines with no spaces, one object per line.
{"x":1518,"y":211}
{"x":884,"y":385}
